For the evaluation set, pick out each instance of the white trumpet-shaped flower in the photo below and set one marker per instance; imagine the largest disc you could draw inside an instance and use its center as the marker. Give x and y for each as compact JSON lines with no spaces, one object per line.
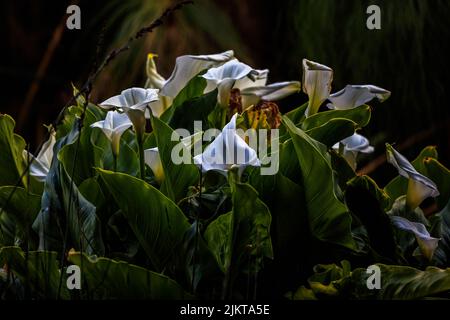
{"x":350,"y":148}
{"x":427,"y":244}
{"x":153,"y":159}
{"x":420,"y":187}
{"x":353,"y":96}
{"x":186,"y":68}
{"x":317,"y":79}
{"x":226,"y":151}
{"x":251,"y":83}
{"x":40,"y":165}
{"x":133,"y":102}
{"x":114,"y":125}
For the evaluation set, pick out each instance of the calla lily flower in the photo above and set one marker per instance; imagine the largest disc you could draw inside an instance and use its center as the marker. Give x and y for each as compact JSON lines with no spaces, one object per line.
{"x":420,"y":187}
{"x":353,"y":96}
{"x":186,"y":68}
{"x":427,"y":243}
{"x":153,"y":159}
{"x":114,"y":125}
{"x":317,"y":79}
{"x":40,"y":165}
{"x":133,"y":102}
{"x":226,"y":151}
{"x":154,"y":79}
{"x":251,"y":83}
{"x":352,"y":146}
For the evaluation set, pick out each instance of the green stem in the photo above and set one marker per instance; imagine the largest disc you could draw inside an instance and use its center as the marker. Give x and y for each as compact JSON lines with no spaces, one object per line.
{"x":114,"y":162}
{"x":139,"y":138}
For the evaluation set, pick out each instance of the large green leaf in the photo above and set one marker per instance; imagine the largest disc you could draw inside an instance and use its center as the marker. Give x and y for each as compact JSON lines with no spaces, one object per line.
{"x":329,"y":219}
{"x":236,"y":236}
{"x":360,"y":115}
{"x":333,"y":131}
{"x":441,"y":229}
{"x":81,"y":157}
{"x":368,"y":203}
{"x":18,"y":210}
{"x":441,"y":176}
{"x":402,"y":283}
{"x":12,"y":163}
{"x":104,"y":278}
{"x":177,"y":177}
{"x":192,"y":90}
{"x":157,"y":222}
{"x":38,"y":270}
{"x":195,"y":109}
{"x":63,"y":208}
{"x":399,"y":185}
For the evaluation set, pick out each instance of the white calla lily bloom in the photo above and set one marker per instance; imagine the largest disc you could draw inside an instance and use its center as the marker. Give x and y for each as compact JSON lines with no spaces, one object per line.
{"x":228,"y":150}
{"x":40,"y":165}
{"x":133,"y":102}
{"x":186,"y":68}
{"x":352,"y":146}
{"x":420,"y":187}
{"x":251,"y":83}
{"x":114,"y":125}
{"x":317,"y":79}
{"x":427,"y":243}
{"x":353,"y":96}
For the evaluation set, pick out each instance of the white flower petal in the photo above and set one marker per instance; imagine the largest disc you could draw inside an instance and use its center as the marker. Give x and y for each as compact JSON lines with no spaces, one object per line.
{"x":187,"y":67}
{"x":353,"y":145}
{"x":226,"y":151}
{"x":114,"y":125}
{"x":38,"y":169}
{"x":45,"y":155}
{"x":353,"y":96}
{"x":153,"y":160}
{"x":427,"y":244}
{"x":420,"y":187}
{"x":256,"y":78}
{"x":271,"y":92}
{"x":317,"y":80}
{"x":135,"y":98}
{"x":232,"y":69}
{"x":154,"y":79}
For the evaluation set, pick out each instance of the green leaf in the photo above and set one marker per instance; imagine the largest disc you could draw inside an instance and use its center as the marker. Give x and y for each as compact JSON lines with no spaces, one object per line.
{"x":333,"y":131}
{"x":399,"y":185}
{"x":328,"y":218}
{"x":177,"y":177}
{"x":195,"y":109}
{"x":81,"y":157}
{"x":368,"y":203}
{"x":12,"y":163}
{"x":402,"y":283}
{"x":17,"y":216}
{"x":63,"y":208}
{"x":441,"y":229}
{"x":157,"y":222}
{"x":298,"y":114}
{"x":109,"y":279}
{"x":193,"y":89}
{"x":244,"y":232}
{"x":441,"y":176}
{"x":38,"y":269}
{"x":360,"y":115}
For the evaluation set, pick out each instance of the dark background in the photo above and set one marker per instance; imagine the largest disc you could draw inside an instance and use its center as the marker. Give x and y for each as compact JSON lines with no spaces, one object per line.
{"x":409,"y":56}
